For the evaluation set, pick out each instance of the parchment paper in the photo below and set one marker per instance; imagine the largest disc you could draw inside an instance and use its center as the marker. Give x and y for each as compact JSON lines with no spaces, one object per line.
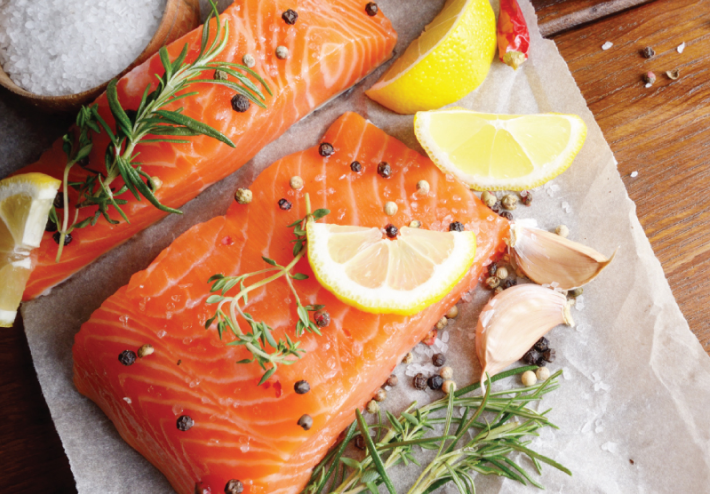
{"x":636,"y":381}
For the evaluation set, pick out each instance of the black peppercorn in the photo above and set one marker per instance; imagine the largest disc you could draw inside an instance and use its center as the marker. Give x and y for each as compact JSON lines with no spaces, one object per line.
{"x":284,"y":204}
{"x":184,"y":423}
{"x":648,"y":52}
{"x":384,"y":169}
{"x":508,"y":283}
{"x":67,"y":238}
{"x":326,"y":149}
{"x":306,"y":422}
{"x":438,"y":359}
{"x":302,"y":387}
{"x":506,"y":215}
{"x":51,"y":226}
{"x":360,"y":442}
{"x":127,"y":357}
{"x":492,"y":269}
{"x":531,"y":357}
{"x":240,"y":103}
{"x":435,"y":382}
{"x":371,"y":9}
{"x":391,"y":231}
{"x":419,"y":381}
{"x":233,"y":487}
{"x":356,"y":166}
{"x":542,"y":344}
{"x":322,"y":318}
{"x":58,"y":201}
{"x":290,"y":17}
{"x":456,"y":226}
{"x":549,"y":355}
{"x":392,"y":381}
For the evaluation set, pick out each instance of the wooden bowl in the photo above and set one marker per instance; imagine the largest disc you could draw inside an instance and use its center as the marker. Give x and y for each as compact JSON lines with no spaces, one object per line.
{"x":179,"y":18}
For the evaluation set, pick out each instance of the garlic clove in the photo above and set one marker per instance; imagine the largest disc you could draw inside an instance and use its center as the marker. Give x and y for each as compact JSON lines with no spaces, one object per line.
{"x":550,"y":259}
{"x":512,"y":321}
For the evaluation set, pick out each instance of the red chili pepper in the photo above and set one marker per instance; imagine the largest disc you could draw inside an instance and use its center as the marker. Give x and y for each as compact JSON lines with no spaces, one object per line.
{"x":513,"y":34}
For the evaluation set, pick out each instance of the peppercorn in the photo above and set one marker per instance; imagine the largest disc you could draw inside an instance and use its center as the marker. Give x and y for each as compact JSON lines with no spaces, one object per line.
{"x":542,"y":374}
{"x":648,"y":52}
{"x":391,"y":231}
{"x":531,"y":357}
{"x":456,"y":226}
{"x":305,"y":421}
{"x":360,"y":442}
{"x":233,"y":487}
{"x":448,"y":386}
{"x":419,"y":381}
{"x":290,"y":17}
{"x":673,"y":74}
{"x":542,"y":344}
{"x":51,"y":226}
{"x":384,"y":169}
{"x":492,"y":282}
{"x":423,"y":187}
{"x":408,"y":358}
{"x":549,"y":355}
{"x":489,"y":198}
{"x":58,"y":201}
{"x":649,"y":78}
{"x":492,"y":269}
{"x":506,"y":215}
{"x":84,"y":162}
{"x":452,"y":312}
{"x":446,"y":372}
{"x":371,"y":9}
{"x":497,"y":208}
{"x":502,"y":273}
{"x":322,"y":318}
{"x":430,"y":338}
{"x":67,"y":238}
{"x":562,"y":231}
{"x":146,"y":350}
{"x":509,"y":201}
{"x":508,"y":283}
{"x":356,"y":166}
{"x":439,"y":359}
{"x":526,"y":197}
{"x":441,"y":324}
{"x":528,"y":378}
{"x":248,"y":60}
{"x":284,"y":204}
{"x":415,"y":224}
{"x":127,"y":357}
{"x":155,"y":183}
{"x":380,"y":395}
{"x":326,"y":149}
{"x":220,"y":75}
{"x":296,"y":182}
{"x":243,"y":196}
{"x":301,"y":387}
{"x":240,"y":103}
{"x":391,"y":208}
{"x":435,"y":382}
{"x":185,"y":423}
{"x":392,"y":381}
{"x":281,"y":52}
{"x":372,"y":407}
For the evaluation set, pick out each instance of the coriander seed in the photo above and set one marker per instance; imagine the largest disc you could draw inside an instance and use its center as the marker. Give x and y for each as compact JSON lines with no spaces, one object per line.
{"x":296,"y":182}
{"x":372,"y":407}
{"x":448,"y":386}
{"x":489,"y":199}
{"x":146,"y":350}
{"x":380,"y":395}
{"x":281,"y":52}
{"x":391,"y":208}
{"x":306,"y":422}
{"x":446,"y":372}
{"x":248,"y":60}
{"x":423,"y":187}
{"x":528,"y":378}
{"x":502,"y":273}
{"x":542,"y":373}
{"x":220,"y":75}
{"x":234,"y":487}
{"x":243,"y":196}
{"x":509,"y":201}
{"x":492,"y":282}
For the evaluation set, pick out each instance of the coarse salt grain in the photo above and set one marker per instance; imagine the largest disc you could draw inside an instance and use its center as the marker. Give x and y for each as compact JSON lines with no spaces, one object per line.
{"x":634,"y":174}
{"x":681,"y":47}
{"x":607,"y":45}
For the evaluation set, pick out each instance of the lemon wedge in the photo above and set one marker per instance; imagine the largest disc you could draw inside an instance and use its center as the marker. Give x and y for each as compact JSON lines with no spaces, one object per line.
{"x":25,"y":201}
{"x":402,"y":276}
{"x":450,"y":59}
{"x":500,"y":152}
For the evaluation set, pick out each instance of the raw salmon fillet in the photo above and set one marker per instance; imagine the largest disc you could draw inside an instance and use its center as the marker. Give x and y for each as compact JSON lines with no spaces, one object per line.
{"x":325,"y":58}
{"x":244,"y":431}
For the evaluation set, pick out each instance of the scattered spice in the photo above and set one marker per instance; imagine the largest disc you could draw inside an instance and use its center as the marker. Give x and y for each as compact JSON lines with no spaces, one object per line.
{"x":391,"y":208}
{"x":562,"y":231}
{"x":542,"y":373}
{"x":648,"y":52}
{"x":505,"y":214}
{"x":549,"y":355}
{"x":220,"y":75}
{"x":185,"y":423}
{"x":502,"y":273}
{"x":322,"y":318}
{"x":508,"y":283}
{"x":448,"y":386}
{"x":240,"y":103}
{"x":423,"y":187}
{"x":306,"y":421}
{"x":233,"y":487}
{"x":415,"y":224}
{"x":326,"y":149}
{"x":673,"y":74}
{"x":243,"y":196}
{"x":391,"y":231}
{"x":380,"y":395}
{"x":607,"y":45}
{"x":419,"y":381}
{"x":526,"y":197}
{"x":127,"y":357}
{"x":492,"y":269}
{"x":290,"y":17}
{"x":408,"y":358}
{"x":384,"y":169}
{"x":356,"y":166}
{"x":360,"y":440}
{"x":492,"y":282}
{"x":281,"y":52}
{"x":513,"y":34}
{"x":489,"y":199}
{"x":446,"y":372}
{"x":146,"y":350}
{"x":649,"y":78}
{"x":392,"y":381}
{"x":296,"y":182}
{"x":302,"y":387}
{"x":456,"y":226}
{"x":248,"y":60}
{"x":285,"y":204}
{"x":452,"y":312}
{"x":441,"y":324}
{"x":435,"y":382}
{"x":371,"y":9}
{"x":528,"y":378}
{"x":439,"y":359}
{"x":509,"y":201}
{"x":67,"y":238}
{"x":373,"y":407}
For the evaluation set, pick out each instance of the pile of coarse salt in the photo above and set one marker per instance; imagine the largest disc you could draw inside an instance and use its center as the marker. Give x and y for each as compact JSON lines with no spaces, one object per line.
{"x":426,"y":352}
{"x":58,"y":47}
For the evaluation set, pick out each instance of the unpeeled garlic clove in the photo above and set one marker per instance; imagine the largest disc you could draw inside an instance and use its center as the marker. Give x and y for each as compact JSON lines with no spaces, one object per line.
{"x":512,"y":321}
{"x":550,"y":259}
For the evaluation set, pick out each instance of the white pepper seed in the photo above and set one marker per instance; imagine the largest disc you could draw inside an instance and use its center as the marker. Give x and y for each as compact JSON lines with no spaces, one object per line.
{"x":509,"y":201}
{"x":446,"y":372}
{"x":542,"y":373}
{"x":562,"y":231}
{"x":372,"y":406}
{"x":449,"y":386}
{"x":281,"y":52}
{"x":442,"y":323}
{"x":243,"y":196}
{"x":502,"y":273}
{"x":145,"y":350}
{"x":380,"y":395}
{"x":423,"y":187}
{"x":489,"y":199}
{"x":390,"y":208}
{"x":528,"y":378}
{"x":408,"y":359}
{"x":453,"y":312}
{"x":415,"y":224}
{"x":296,"y":182}
{"x":249,"y":60}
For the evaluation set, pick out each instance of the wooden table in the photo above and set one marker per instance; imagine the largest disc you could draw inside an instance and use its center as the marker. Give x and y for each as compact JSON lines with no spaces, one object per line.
{"x":661,"y":132}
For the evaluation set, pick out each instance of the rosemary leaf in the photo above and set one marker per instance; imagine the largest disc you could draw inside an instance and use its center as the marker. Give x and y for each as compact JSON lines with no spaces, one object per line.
{"x":364,"y":430}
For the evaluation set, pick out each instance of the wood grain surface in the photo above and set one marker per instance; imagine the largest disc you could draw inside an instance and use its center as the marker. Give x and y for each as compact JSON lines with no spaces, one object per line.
{"x":662,"y":132}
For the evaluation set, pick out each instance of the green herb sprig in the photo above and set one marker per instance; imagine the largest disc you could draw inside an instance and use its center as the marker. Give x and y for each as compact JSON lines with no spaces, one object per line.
{"x":498,"y":422}
{"x":135,"y":126}
{"x":259,"y":339}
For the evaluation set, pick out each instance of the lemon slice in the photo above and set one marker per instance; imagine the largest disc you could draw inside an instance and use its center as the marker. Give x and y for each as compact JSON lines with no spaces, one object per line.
{"x":500,"y":152}
{"x":402,"y":276}
{"x":449,"y":60}
{"x":25,"y":201}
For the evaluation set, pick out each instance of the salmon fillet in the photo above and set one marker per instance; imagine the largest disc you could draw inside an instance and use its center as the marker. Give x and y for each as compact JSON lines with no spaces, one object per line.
{"x":325,"y":58}
{"x":244,"y":431}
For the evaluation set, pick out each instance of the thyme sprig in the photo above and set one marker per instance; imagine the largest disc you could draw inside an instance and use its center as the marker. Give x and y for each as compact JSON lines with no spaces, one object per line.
{"x":150,"y":122}
{"x":491,"y":427}
{"x":259,"y":339}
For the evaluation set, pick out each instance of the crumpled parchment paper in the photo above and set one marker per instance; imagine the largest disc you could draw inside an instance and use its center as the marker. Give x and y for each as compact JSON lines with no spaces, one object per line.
{"x":636,"y":383}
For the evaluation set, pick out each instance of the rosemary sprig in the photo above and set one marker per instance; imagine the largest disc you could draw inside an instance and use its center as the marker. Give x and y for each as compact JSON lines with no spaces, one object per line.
{"x":260,"y":336}
{"x":150,"y":119}
{"x":491,"y":428}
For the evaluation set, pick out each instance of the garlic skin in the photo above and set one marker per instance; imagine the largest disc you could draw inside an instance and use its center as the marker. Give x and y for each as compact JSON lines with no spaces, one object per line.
{"x":550,"y":259}
{"x":512,"y":321}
